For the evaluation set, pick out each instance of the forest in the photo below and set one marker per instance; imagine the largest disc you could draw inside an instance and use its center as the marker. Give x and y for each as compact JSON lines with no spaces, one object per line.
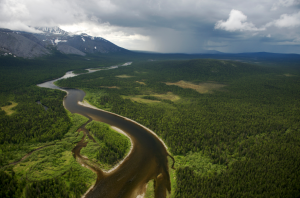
{"x":49,"y":167}
{"x":243,"y":119}
{"x":51,"y":170}
{"x":37,"y":134}
{"x":107,"y":147}
{"x":240,"y":123}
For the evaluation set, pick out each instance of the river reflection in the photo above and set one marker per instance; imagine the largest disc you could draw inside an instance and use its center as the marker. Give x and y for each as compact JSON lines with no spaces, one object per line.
{"x":147,"y":160}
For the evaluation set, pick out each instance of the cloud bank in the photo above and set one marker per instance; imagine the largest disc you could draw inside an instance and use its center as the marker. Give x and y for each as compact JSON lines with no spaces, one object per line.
{"x":189,"y":26}
{"x":237,"y":22}
{"x":286,"y":21}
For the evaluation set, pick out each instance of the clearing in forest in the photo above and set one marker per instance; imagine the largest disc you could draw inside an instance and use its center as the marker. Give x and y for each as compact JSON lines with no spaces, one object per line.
{"x":110,"y":87}
{"x":142,"y":99}
{"x":288,"y":75}
{"x":142,"y":83}
{"x":48,"y":166}
{"x":167,"y":96}
{"x":124,"y":76}
{"x":206,"y":87}
{"x":138,"y":98}
{"x":138,"y":72}
{"x":8,"y":108}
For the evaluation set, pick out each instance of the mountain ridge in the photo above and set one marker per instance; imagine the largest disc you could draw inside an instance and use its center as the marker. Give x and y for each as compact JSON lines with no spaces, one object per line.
{"x":32,"y":45}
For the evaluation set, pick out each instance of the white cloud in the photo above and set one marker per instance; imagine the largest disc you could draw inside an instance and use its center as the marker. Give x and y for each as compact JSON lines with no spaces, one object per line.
{"x":291,"y":43}
{"x":159,"y":25}
{"x":105,"y":30}
{"x":269,"y":35}
{"x":17,"y":25}
{"x":283,"y":3}
{"x":236,"y":22}
{"x":123,"y":37}
{"x":286,"y":21}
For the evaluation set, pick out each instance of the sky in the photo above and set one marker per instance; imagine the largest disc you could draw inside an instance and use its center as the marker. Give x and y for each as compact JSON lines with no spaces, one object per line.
{"x":169,"y":26}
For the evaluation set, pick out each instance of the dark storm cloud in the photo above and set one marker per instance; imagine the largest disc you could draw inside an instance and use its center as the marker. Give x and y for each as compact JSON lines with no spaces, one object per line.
{"x":189,"y":26}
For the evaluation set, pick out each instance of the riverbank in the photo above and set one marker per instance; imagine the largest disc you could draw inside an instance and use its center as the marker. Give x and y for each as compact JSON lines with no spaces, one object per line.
{"x":113,"y":136}
{"x":130,"y":150}
{"x":149,"y":189}
{"x":149,"y":144}
{"x":87,"y":104}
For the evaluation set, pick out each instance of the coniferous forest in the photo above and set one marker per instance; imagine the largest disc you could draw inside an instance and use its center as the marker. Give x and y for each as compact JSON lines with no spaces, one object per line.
{"x":37,"y":134}
{"x":242,"y":119}
{"x":232,"y":127}
{"x":113,"y":145}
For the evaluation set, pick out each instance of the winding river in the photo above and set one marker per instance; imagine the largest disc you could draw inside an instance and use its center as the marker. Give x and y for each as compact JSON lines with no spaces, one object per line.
{"x":147,"y":159}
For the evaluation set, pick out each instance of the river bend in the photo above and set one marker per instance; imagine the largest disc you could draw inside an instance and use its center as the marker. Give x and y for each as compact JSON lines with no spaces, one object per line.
{"x":147,"y":160}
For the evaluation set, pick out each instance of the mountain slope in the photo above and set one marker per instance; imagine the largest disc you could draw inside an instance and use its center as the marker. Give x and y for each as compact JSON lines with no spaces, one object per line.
{"x":66,"y":49}
{"x":19,"y":45}
{"x":31,"y":45}
{"x":91,"y":44}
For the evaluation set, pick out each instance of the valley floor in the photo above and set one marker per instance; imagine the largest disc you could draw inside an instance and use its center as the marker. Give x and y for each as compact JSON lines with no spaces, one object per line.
{"x":232,"y":127}
{"x":226,"y":139}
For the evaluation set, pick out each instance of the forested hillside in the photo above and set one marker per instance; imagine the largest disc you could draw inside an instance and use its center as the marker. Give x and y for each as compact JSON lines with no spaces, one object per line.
{"x":37,"y":134}
{"x":16,"y":73}
{"x":32,"y":122}
{"x":242,"y":118}
{"x":232,"y":127}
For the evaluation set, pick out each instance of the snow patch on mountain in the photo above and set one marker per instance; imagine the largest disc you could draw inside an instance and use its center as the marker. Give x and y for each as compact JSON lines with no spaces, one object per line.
{"x":52,"y":30}
{"x":30,"y":45}
{"x":57,"y":41}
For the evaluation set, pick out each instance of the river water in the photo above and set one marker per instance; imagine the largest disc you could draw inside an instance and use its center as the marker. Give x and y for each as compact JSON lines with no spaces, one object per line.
{"x":147,"y":160}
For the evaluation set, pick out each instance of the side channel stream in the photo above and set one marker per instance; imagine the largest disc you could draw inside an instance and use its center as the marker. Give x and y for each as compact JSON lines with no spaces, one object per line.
{"x":147,"y":159}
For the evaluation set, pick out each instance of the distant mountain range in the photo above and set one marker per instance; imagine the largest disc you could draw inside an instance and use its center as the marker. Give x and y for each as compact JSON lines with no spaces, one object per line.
{"x":31,"y":45}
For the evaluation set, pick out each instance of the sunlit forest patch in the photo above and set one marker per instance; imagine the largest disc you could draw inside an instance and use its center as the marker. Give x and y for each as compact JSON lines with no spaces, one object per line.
{"x":153,"y":97}
{"x":140,"y":99}
{"x":53,"y":160}
{"x":47,"y":163}
{"x":288,"y":75}
{"x":140,"y":72}
{"x":9,"y":108}
{"x":206,"y":87}
{"x":52,"y":169}
{"x":168,"y":96}
{"x":110,"y":87}
{"x":124,"y":76}
{"x":142,"y":83}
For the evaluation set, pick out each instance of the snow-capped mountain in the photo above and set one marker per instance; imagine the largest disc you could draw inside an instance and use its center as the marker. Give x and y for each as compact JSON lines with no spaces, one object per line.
{"x":52,"y":30}
{"x":30,"y":45}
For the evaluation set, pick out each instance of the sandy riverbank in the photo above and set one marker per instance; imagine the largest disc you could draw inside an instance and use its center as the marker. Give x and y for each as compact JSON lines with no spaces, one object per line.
{"x":86,"y":104}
